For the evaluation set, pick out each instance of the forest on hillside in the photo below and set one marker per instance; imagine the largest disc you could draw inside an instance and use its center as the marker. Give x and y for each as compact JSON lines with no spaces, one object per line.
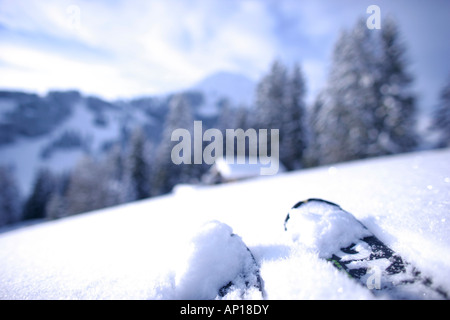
{"x":367,"y":108}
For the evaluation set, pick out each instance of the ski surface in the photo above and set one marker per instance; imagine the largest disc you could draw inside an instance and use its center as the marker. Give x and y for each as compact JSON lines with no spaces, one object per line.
{"x":217,"y":264}
{"x":249,"y":279}
{"x":348,"y":245}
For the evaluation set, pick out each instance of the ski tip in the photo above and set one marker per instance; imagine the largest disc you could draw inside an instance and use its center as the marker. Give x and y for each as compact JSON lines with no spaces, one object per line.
{"x":310,"y":200}
{"x":298,"y":204}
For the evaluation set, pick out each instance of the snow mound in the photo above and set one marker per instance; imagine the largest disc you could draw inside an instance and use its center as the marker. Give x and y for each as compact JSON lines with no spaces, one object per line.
{"x":323,"y":228}
{"x":151,"y":249}
{"x":215,"y":263}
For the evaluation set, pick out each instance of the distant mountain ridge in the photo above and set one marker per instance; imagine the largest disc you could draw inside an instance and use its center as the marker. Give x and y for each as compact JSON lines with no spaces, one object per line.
{"x":54,"y":130}
{"x":238,"y":88}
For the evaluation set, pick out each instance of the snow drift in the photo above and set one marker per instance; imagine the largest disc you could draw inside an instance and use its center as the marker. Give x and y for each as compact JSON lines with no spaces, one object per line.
{"x":324,"y":229}
{"x":138,"y":250}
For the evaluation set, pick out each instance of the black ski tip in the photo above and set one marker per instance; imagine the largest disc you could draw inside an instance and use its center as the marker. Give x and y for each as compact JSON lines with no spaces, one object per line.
{"x":303,"y":202}
{"x":252,"y":279}
{"x":250,"y":275}
{"x":298,"y":204}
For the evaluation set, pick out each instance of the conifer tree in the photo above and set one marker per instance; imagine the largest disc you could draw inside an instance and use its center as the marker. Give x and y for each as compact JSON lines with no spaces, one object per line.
{"x":345,"y":117}
{"x":88,"y":188}
{"x":166,"y":173}
{"x":396,"y":110}
{"x":293,"y":135}
{"x":366,"y":108}
{"x":57,"y":204}
{"x":10,"y":198}
{"x":271,"y":97}
{"x":138,"y":166}
{"x":280,"y":105}
{"x":44,"y":186}
{"x":118,"y":175}
{"x":441,"y":118}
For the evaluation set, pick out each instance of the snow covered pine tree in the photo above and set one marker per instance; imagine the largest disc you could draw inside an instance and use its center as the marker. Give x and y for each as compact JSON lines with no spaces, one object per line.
{"x":441,"y":119}
{"x":280,"y":105}
{"x":367,"y":108}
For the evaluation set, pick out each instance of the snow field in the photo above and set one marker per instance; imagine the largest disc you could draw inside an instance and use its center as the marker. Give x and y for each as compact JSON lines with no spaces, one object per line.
{"x":303,"y":275}
{"x":138,"y":250}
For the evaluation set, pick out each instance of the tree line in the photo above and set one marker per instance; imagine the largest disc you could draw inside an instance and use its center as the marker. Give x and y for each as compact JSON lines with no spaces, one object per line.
{"x":367,"y":108}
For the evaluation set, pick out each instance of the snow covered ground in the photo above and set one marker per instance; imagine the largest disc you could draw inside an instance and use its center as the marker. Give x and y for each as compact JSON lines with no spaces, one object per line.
{"x":161,"y":248}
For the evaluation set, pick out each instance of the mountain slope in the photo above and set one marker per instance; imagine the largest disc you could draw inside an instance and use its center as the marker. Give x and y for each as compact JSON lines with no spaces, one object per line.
{"x":55,"y":130}
{"x":138,"y":250}
{"x":88,"y":125}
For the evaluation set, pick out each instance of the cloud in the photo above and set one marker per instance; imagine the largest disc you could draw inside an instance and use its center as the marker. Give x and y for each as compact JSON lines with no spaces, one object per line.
{"x":127,"y":47}
{"x":151,"y":46}
{"x":40,"y":71}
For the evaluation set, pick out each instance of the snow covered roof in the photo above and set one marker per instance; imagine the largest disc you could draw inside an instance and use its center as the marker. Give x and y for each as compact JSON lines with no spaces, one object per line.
{"x":240,"y":168}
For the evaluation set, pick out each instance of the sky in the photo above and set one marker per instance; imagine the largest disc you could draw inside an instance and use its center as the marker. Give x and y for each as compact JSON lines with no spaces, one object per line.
{"x":125,"y":48}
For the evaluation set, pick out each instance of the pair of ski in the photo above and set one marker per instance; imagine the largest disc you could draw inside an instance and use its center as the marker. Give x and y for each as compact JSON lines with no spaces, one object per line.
{"x":358,"y":253}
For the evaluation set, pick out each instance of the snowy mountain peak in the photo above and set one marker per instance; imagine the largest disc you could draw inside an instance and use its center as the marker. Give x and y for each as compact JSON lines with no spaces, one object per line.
{"x":238,"y":88}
